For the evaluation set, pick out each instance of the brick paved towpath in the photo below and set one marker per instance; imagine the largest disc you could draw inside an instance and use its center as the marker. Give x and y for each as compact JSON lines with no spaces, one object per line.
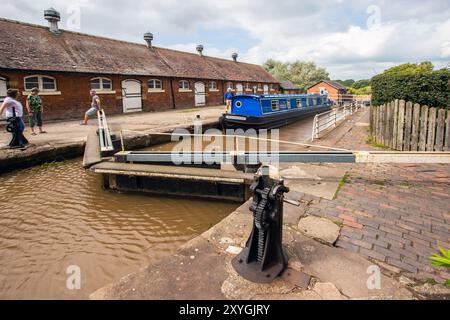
{"x":396,"y":214}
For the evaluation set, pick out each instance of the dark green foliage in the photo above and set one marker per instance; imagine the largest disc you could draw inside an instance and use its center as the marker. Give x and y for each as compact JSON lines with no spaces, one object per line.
{"x":413,"y":82}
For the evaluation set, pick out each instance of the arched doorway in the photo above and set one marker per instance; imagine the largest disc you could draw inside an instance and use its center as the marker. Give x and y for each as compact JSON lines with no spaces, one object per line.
{"x":200,"y":94}
{"x":3,"y":89}
{"x":131,"y":95}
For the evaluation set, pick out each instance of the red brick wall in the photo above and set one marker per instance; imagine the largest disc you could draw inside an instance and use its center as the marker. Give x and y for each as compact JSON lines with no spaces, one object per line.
{"x":75,"y":98}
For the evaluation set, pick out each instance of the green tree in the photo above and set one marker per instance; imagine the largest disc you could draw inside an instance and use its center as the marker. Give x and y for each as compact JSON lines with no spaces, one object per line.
{"x":361,"y":84}
{"x":302,"y":73}
{"x":411,"y":68}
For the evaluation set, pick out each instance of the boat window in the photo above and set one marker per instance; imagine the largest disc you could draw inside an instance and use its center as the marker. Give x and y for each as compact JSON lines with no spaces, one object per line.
{"x":311,"y":102}
{"x":238,"y":104}
{"x":275,"y":105}
{"x":288,"y":104}
{"x":299,"y":103}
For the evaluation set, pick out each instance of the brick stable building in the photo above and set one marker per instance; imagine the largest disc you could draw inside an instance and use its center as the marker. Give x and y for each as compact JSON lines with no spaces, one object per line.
{"x":129,"y":77}
{"x":335,"y":91}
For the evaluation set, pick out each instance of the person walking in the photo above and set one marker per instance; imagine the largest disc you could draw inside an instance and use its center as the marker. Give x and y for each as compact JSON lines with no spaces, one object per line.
{"x":13,"y":108}
{"x":228,"y":96}
{"x":35,"y":110}
{"x":95,"y":106}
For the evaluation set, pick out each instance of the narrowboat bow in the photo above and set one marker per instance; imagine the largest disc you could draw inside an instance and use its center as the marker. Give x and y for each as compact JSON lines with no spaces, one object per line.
{"x":272,"y":111}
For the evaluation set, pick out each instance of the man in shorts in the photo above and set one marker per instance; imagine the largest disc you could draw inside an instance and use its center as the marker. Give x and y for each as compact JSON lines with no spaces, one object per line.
{"x":95,"y":106}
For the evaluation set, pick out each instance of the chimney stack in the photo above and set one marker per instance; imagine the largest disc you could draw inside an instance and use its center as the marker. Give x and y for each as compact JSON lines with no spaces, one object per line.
{"x":234,"y":56}
{"x":53,"y":17}
{"x":148,"y":37}
{"x":200,"y":50}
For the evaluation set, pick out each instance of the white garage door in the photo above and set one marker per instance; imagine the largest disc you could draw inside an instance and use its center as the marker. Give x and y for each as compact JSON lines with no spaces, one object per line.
{"x":2,"y":89}
{"x":200,"y":94}
{"x":131,"y":96}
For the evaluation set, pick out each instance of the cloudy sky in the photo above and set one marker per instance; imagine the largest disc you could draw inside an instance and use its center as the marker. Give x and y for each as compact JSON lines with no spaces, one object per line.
{"x":352,"y":39}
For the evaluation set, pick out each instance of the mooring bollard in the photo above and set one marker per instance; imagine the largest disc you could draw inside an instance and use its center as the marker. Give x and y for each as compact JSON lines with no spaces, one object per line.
{"x":263,"y":258}
{"x":18,"y":140}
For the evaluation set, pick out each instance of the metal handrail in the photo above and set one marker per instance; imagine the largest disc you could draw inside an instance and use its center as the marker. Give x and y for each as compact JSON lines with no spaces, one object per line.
{"x":331,"y":118}
{"x":103,"y":133}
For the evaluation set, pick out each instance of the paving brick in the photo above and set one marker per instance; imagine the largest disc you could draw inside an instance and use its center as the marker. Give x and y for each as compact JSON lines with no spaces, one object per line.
{"x":391,"y":229}
{"x":417,"y":240}
{"x":386,"y":252}
{"x":361,"y":243}
{"x":351,"y":233}
{"x":372,"y":254}
{"x":380,"y":243}
{"x":352,"y":224}
{"x":368,"y":222}
{"x":347,"y":217}
{"x":402,"y":265}
{"x":347,"y":245}
{"x":393,"y":239}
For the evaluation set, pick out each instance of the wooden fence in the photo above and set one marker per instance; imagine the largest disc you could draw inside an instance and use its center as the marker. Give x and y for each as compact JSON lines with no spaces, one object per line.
{"x":405,"y":126}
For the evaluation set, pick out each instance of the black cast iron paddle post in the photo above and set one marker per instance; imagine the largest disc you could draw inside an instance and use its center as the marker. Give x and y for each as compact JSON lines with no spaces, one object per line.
{"x":263,"y":259}
{"x":18,"y":140}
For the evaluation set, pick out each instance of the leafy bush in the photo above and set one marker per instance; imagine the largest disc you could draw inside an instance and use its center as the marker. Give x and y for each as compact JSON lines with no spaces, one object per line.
{"x":442,"y":259}
{"x":418,"y":85}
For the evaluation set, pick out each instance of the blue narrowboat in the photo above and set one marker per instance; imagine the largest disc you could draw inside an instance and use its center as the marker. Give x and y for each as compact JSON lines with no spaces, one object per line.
{"x":272,"y":111}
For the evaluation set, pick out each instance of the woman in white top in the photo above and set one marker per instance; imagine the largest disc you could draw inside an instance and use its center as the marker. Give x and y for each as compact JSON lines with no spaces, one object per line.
{"x":13,"y":107}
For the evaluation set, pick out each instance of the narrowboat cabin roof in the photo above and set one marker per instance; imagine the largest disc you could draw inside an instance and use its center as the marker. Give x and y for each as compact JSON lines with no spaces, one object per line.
{"x":262,"y":105}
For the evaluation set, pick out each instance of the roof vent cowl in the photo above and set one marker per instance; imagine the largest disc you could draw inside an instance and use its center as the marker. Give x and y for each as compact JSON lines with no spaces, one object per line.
{"x":53,"y":17}
{"x":200,"y":50}
{"x":148,"y":37}
{"x":234,"y":56}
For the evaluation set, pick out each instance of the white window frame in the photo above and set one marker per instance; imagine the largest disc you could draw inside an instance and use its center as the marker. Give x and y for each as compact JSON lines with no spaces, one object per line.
{"x":248,"y":86}
{"x":230,"y":85}
{"x":271,"y":88}
{"x":102,"y":88}
{"x":154,"y":84}
{"x":40,"y":83}
{"x":260,"y":87}
{"x":275,"y":105}
{"x":214,"y":87}
{"x":182,"y":87}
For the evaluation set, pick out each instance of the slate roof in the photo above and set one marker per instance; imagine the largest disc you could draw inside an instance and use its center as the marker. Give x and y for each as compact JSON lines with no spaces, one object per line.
{"x":334,"y":84}
{"x":288,"y":85}
{"x":33,"y":47}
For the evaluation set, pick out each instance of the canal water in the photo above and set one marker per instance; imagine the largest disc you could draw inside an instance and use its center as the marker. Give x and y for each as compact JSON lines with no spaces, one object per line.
{"x":57,"y":216}
{"x":54,"y":217}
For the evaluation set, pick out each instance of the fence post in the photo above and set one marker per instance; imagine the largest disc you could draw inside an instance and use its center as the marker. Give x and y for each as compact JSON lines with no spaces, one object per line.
{"x":378,"y":136}
{"x":447,"y":136}
{"x":431,"y":129}
{"x":415,"y":127}
{"x":423,"y":128}
{"x":395,"y":129}
{"x":408,"y":119}
{"x":439,"y":145}
{"x":401,"y":124}
{"x":389,"y":127}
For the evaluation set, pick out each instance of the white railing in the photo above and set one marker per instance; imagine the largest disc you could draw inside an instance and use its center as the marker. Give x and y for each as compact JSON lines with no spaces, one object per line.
{"x":103,"y":133}
{"x":332,"y":118}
